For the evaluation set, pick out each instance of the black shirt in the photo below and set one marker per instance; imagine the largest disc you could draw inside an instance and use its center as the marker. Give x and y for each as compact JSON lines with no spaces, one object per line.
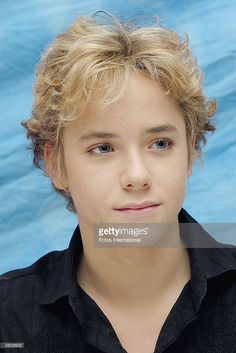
{"x":43,"y":306}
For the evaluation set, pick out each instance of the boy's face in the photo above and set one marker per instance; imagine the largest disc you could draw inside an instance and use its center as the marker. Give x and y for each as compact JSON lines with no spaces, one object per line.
{"x":132,"y":167}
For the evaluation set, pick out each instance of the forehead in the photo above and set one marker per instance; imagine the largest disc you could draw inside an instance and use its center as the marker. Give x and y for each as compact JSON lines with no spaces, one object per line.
{"x":142,"y":106}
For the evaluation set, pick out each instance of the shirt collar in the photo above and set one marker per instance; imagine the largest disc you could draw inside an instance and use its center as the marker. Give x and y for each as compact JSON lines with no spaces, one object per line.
{"x":214,"y":258}
{"x":61,"y":272}
{"x":209,"y":259}
{"x":205,"y":263}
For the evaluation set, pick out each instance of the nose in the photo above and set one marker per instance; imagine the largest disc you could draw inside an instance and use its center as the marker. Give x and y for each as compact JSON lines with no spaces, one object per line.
{"x":136,"y":175}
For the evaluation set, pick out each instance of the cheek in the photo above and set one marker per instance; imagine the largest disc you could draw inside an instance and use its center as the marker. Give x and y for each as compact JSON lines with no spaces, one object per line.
{"x":87,"y":187}
{"x":174,"y":179}
{"x":177,"y":185}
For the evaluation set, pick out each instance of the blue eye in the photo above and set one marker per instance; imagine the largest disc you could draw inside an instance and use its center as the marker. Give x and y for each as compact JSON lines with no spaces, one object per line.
{"x":163,"y":142}
{"x":102,"y":148}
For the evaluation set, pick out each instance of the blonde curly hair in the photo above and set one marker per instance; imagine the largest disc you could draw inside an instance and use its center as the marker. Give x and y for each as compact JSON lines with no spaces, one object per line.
{"x":93,"y":58}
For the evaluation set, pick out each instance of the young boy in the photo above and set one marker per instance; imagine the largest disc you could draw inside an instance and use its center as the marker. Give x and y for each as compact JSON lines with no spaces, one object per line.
{"x":118,"y":119}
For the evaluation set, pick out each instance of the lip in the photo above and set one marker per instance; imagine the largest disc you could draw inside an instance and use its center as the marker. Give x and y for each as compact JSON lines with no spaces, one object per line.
{"x":135,"y":206}
{"x":140,"y":211}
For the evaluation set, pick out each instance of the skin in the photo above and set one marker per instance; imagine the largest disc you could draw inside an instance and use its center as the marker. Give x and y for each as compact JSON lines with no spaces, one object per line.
{"x":134,"y":168}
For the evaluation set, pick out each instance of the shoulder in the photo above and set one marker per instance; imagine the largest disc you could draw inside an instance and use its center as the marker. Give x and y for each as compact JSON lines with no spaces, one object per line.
{"x":22,"y":283}
{"x":20,"y":293}
{"x":222,"y":284}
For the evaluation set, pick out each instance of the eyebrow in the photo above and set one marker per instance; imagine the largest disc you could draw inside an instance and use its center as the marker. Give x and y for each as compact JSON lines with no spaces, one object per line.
{"x":153,"y":130}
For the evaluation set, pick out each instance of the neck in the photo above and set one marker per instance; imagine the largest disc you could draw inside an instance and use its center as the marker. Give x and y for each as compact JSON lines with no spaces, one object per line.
{"x":131,"y":275}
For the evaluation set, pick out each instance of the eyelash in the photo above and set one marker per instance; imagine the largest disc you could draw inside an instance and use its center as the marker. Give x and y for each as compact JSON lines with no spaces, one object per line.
{"x":170,"y":145}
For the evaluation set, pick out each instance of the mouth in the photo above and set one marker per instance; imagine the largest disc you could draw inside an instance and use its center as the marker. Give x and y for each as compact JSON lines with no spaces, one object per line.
{"x":148,"y":210}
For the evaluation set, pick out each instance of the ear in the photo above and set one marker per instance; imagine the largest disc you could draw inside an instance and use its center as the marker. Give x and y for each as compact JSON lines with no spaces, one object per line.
{"x":191,"y":161}
{"x":50,"y":161}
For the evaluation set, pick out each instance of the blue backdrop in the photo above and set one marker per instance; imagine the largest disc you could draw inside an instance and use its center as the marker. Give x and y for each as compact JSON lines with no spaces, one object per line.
{"x":33,"y":218}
